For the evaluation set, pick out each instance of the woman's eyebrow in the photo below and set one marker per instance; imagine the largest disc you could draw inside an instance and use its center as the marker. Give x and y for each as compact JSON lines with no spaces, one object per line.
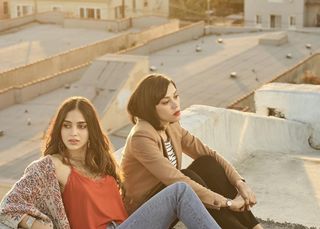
{"x":167,"y":97}
{"x":80,"y":122}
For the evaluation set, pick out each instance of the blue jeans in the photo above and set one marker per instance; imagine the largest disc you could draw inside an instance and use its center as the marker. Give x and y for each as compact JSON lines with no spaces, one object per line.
{"x":175,"y":201}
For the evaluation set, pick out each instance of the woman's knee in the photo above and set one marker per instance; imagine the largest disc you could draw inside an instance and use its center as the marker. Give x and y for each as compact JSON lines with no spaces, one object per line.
{"x":205,"y":162}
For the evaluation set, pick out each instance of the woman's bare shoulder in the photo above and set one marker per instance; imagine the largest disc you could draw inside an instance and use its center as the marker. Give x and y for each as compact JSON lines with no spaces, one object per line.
{"x":57,"y":160}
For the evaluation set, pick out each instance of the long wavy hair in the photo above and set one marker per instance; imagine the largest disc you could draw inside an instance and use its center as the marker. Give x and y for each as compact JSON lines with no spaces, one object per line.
{"x":99,"y":158}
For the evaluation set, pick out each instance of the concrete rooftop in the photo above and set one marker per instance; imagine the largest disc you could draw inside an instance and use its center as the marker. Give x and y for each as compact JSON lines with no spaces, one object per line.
{"x":32,"y":42}
{"x":201,"y":77}
{"x":204,"y":77}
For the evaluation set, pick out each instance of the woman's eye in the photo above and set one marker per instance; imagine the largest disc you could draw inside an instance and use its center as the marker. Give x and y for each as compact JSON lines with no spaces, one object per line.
{"x":67,"y":126}
{"x":82,"y":126}
{"x":176,"y":96}
{"x":165,"y":102}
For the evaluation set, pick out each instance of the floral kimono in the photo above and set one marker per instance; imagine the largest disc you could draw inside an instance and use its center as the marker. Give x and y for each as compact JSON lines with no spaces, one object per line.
{"x":38,"y":194}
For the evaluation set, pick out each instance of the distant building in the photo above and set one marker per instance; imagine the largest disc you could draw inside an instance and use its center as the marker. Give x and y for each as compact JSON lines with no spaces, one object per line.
{"x":95,"y":9}
{"x":285,"y":14}
{"x":4,"y":9}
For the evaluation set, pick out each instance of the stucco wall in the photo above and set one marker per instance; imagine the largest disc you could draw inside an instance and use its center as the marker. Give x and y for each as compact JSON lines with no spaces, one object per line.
{"x":154,"y":32}
{"x":265,"y":8}
{"x":148,"y":21}
{"x":292,"y":102}
{"x":184,"y":34}
{"x":236,"y":135}
{"x":293,"y":75}
{"x":22,"y":93}
{"x":108,"y":25}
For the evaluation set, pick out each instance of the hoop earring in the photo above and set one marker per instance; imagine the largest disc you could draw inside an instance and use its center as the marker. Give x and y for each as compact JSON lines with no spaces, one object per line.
{"x":88,"y":144}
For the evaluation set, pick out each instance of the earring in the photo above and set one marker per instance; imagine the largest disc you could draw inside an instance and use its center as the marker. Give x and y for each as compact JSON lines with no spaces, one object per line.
{"x":88,"y":144}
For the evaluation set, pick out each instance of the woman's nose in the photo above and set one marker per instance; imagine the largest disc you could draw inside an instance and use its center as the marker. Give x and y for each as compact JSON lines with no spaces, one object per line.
{"x":74,"y":131}
{"x":174,"y":104}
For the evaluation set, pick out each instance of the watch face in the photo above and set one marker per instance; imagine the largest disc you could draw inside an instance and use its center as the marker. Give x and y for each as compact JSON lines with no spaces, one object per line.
{"x":229,"y":203}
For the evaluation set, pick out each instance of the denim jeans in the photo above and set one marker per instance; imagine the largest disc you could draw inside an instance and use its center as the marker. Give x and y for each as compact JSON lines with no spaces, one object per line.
{"x":175,"y":201}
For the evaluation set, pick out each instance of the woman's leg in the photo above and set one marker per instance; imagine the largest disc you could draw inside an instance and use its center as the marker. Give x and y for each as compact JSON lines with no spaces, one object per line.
{"x":213,"y":175}
{"x":223,"y":216}
{"x":177,"y":200}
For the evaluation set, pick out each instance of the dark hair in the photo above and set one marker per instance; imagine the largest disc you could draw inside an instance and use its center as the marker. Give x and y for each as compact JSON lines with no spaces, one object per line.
{"x":143,"y":101}
{"x":99,"y":157}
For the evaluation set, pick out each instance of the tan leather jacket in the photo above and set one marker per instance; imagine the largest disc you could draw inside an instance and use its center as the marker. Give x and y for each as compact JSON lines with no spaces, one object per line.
{"x":145,"y":166}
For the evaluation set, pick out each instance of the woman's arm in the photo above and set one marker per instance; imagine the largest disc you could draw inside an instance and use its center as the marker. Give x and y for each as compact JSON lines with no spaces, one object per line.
{"x":31,"y":222}
{"x":194,"y":148}
{"x":146,"y":150}
{"x":21,"y":200}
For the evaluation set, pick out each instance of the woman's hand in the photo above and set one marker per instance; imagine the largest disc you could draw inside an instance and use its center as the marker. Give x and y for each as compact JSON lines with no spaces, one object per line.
{"x":41,"y":225}
{"x":238,"y":204}
{"x":246,"y":193}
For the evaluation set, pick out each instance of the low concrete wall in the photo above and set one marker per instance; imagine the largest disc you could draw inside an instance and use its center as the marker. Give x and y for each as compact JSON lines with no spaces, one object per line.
{"x":53,"y":17}
{"x":15,"y":22}
{"x":148,"y":21}
{"x":46,"y":17}
{"x":187,"y":33}
{"x":298,"y":102}
{"x":108,"y":25}
{"x":33,"y":89}
{"x":227,"y":30}
{"x":293,"y":75}
{"x":153,"y":32}
{"x":236,"y":135}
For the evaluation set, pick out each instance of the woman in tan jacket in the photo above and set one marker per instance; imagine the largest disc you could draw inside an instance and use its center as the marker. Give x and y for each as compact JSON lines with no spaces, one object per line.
{"x":153,"y":153}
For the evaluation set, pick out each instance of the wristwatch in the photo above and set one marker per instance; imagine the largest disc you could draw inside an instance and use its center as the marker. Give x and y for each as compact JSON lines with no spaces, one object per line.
{"x":229,"y":203}
{"x":30,"y":222}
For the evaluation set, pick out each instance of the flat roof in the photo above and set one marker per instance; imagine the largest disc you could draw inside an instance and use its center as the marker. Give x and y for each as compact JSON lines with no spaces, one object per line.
{"x":204,"y":77}
{"x":201,"y":77}
{"x":34,"y":41}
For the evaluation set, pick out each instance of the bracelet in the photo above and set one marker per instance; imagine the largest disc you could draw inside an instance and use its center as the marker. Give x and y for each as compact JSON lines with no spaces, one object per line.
{"x":30,"y":221}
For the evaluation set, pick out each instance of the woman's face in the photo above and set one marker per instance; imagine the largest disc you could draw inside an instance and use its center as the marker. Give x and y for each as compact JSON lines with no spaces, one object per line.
{"x":168,"y":108}
{"x":74,"y":132}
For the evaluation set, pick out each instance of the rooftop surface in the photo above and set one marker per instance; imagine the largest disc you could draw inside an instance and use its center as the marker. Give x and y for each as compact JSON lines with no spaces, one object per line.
{"x":201,"y":77}
{"x":32,"y":42}
{"x":204,"y":77}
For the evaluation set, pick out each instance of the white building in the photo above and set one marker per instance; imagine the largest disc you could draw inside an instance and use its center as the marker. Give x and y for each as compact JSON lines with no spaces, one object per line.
{"x":95,"y":9}
{"x":286,"y":14}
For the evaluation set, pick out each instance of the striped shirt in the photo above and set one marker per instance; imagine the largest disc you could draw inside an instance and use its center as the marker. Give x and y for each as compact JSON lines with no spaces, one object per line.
{"x":171,"y":154}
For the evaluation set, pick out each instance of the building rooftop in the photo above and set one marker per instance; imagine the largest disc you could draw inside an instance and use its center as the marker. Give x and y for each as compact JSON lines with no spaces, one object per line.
{"x":202,"y":77}
{"x":34,"y":41}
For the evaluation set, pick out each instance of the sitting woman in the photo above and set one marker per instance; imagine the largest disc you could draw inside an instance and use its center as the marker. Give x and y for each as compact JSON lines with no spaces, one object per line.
{"x":77,"y":184}
{"x":153,"y":153}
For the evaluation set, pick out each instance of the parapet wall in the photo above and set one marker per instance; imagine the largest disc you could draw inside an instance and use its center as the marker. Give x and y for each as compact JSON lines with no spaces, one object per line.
{"x":19,"y":94}
{"x":187,"y":33}
{"x":293,"y":75}
{"x":298,"y":102}
{"x":237,"y":135}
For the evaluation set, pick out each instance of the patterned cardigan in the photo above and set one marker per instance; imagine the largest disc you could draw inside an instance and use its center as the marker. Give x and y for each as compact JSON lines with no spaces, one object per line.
{"x":38,"y":194}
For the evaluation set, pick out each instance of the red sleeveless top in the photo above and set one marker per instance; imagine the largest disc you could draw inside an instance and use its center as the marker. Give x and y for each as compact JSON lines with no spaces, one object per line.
{"x":92,"y":204}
